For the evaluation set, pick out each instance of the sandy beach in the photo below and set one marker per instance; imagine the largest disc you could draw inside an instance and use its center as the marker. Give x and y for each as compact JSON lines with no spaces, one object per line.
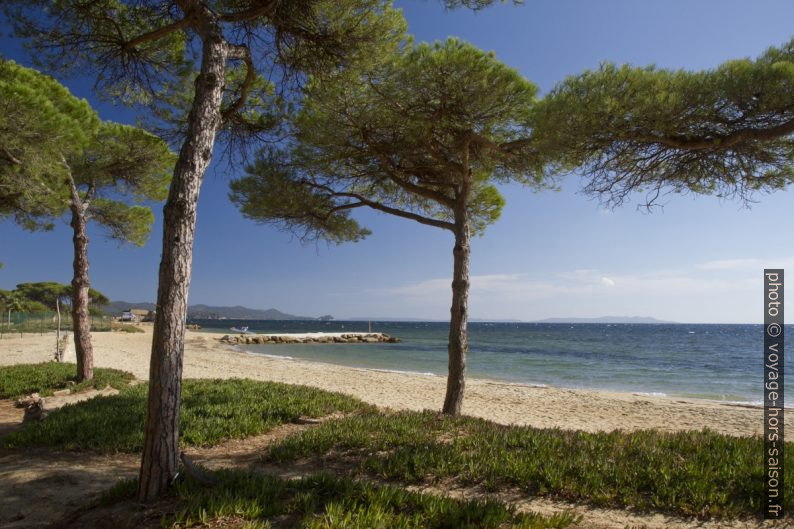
{"x":207,"y":357}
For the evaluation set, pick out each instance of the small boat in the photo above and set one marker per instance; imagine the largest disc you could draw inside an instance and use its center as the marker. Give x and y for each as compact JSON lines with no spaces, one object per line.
{"x":241,"y":330}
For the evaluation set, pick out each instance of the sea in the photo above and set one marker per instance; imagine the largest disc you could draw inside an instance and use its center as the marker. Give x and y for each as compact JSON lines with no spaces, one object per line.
{"x":703,"y":361}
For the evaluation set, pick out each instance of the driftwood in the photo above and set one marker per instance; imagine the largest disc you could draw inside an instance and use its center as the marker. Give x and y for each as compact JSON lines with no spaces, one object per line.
{"x":306,"y":420}
{"x":196,"y":473}
{"x":35,"y":412}
{"x":24,"y":402}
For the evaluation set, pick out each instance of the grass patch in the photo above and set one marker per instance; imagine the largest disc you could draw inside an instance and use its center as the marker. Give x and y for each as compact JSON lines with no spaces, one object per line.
{"x":212,"y":411}
{"x":701,"y":474}
{"x":23,"y":379}
{"x":324,"y":501}
{"x":125,"y":327}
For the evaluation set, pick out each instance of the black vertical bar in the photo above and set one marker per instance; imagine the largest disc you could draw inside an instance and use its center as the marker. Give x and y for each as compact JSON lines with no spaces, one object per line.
{"x":774,"y":408}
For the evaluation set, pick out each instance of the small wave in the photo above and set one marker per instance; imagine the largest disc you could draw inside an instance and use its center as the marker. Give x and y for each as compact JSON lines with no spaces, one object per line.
{"x":649,"y":394}
{"x":421,"y":373}
{"x":267,"y":355}
{"x":753,"y":403}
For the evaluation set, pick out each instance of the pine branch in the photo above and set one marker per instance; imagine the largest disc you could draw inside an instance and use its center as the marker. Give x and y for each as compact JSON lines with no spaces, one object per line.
{"x":157,"y":33}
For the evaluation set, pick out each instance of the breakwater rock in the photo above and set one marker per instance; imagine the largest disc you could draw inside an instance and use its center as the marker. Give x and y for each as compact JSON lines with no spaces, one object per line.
{"x":316,"y":337}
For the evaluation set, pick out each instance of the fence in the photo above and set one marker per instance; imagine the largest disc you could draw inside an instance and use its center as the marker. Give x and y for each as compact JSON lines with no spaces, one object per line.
{"x":42,"y":322}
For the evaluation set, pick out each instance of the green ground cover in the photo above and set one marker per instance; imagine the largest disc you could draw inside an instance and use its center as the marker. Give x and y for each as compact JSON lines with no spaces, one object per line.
{"x":212,"y":411}
{"x":23,"y":379}
{"x":701,"y":474}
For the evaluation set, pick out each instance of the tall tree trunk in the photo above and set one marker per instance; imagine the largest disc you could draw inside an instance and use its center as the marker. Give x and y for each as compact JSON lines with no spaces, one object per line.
{"x":82,"y":329}
{"x":459,"y":315}
{"x":161,"y":443}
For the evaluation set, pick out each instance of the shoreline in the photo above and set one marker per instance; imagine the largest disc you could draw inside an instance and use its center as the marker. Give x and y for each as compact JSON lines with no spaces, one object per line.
{"x":503,"y":402}
{"x":652,"y":395}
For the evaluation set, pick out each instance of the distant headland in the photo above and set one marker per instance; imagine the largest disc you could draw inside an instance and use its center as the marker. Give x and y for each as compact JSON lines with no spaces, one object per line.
{"x":604,"y":319}
{"x":237,"y":312}
{"x":207,"y":312}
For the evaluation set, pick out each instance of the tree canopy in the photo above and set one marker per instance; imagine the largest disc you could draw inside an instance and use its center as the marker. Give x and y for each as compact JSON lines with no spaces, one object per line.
{"x":476,"y":4}
{"x":52,"y":138}
{"x":46,"y":292}
{"x":726,"y":131}
{"x":398,"y":139}
{"x":31,"y":155}
{"x":14,"y":301}
{"x":123,"y":164}
{"x":148,"y":53}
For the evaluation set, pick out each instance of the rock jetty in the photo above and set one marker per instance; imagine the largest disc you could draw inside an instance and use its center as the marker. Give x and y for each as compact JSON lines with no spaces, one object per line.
{"x":318,"y":337}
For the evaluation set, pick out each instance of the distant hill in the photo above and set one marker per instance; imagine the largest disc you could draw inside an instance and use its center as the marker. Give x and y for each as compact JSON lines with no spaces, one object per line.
{"x":206,"y":312}
{"x":604,"y":319}
{"x":115,"y":308}
{"x":240,"y":313}
{"x":425,"y":320}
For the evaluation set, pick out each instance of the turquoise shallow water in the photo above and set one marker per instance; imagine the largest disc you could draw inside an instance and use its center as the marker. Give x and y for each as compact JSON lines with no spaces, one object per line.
{"x":720,"y":362}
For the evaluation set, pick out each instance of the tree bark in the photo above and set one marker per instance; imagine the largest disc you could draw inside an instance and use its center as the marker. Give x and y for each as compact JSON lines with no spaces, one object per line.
{"x":459,"y":315}
{"x":81,"y":326}
{"x":161,"y":444}
{"x":58,"y":354}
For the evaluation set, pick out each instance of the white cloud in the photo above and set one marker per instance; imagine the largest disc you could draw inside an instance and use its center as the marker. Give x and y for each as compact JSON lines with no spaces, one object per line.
{"x":696,"y":294}
{"x":608,"y":282}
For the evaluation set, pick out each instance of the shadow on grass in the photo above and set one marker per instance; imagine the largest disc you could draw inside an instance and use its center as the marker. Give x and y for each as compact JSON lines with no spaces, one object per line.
{"x":695,"y":474}
{"x":212,"y":411}
{"x":324,"y":501}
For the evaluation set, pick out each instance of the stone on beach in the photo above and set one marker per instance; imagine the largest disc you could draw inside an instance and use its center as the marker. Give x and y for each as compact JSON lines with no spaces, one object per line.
{"x":261,"y":339}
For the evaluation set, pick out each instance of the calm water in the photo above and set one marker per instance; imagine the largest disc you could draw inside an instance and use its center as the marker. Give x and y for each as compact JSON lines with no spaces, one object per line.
{"x":722,"y":362}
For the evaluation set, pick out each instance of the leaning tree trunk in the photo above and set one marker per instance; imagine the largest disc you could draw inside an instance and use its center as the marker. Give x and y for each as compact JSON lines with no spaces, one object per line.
{"x":82,"y":329}
{"x":161,"y":442}
{"x":459,"y":314}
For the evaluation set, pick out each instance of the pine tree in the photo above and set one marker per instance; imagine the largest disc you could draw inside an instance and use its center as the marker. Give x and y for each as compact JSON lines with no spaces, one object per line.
{"x":424,"y":136}
{"x":59,"y":160}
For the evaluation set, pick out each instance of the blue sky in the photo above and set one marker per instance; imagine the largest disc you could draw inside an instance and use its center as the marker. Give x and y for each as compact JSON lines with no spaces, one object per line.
{"x":551,"y":254}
